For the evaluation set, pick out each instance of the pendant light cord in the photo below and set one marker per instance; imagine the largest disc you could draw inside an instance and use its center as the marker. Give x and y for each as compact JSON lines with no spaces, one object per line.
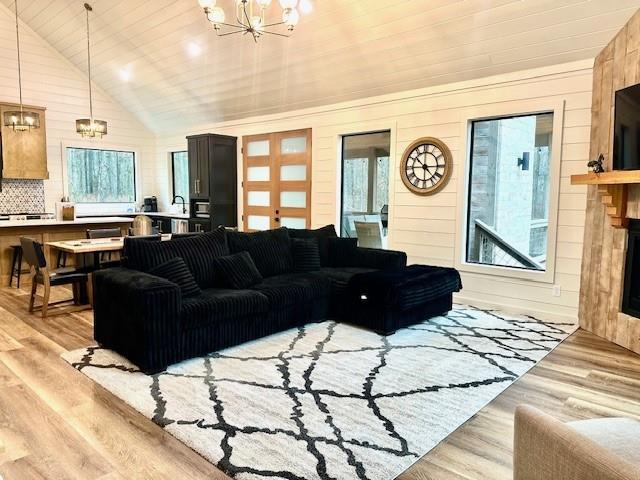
{"x":18,"y":48}
{"x":88,"y":9}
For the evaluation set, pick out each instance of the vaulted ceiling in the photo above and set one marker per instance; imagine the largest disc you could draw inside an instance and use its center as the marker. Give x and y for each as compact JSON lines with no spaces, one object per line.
{"x":181,"y":75}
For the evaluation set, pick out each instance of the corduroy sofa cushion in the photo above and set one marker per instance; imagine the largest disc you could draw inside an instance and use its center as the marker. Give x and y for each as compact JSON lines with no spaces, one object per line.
{"x":306,"y":254}
{"x":220,"y":305}
{"x":198,"y":253}
{"x":343,"y":252}
{"x":176,"y":271}
{"x":236,"y":271}
{"x":321,"y":235}
{"x":270,"y":250}
{"x":293,"y":288}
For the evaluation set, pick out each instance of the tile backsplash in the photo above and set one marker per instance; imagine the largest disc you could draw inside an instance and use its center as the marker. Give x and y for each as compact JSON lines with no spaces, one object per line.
{"x":22,"y":196}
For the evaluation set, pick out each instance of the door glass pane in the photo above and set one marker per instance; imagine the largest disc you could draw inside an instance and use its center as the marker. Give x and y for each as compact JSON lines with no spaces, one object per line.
{"x":259,"y":199}
{"x":258,"y":148}
{"x":293,"y":199}
{"x":509,"y":191}
{"x":258,"y":222}
{"x":293,"y":145}
{"x":293,"y":173}
{"x":365,"y":180}
{"x":258,"y":174}
{"x":293,"y":222}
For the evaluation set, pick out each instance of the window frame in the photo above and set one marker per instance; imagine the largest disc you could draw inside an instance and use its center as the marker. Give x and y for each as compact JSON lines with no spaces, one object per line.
{"x":172,"y":156}
{"x":512,"y":109}
{"x":88,"y":145}
{"x":341,"y":161}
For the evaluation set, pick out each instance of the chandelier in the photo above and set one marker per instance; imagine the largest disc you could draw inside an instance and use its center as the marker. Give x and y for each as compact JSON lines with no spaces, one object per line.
{"x":20,"y":120}
{"x":250,"y":18}
{"x":90,"y":127}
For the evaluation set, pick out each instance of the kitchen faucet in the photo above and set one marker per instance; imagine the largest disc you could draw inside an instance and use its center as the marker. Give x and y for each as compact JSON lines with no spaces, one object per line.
{"x":173,"y":202}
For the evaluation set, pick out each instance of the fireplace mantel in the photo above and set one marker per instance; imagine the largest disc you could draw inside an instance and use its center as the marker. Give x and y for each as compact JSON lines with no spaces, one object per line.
{"x":612,"y":187}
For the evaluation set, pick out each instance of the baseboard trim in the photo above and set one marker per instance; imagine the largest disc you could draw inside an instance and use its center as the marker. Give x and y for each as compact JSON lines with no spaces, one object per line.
{"x":541,"y":314}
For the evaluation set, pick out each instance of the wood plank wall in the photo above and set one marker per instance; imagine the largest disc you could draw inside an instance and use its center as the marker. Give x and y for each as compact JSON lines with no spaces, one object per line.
{"x":604,"y":247}
{"x":430,"y":228}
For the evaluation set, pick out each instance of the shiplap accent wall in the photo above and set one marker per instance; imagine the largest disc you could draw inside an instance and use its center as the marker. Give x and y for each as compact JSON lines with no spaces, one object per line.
{"x":426,"y":227}
{"x":51,"y":81}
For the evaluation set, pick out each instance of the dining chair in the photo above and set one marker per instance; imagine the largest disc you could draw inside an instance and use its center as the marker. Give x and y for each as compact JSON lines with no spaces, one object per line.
{"x":105,"y":259}
{"x":41,"y":275}
{"x":369,"y":234}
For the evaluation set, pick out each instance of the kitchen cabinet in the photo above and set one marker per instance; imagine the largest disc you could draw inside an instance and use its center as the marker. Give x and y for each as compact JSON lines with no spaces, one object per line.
{"x":213,"y":177}
{"x":199,"y":225}
{"x":198,"y":151}
{"x":23,"y":154}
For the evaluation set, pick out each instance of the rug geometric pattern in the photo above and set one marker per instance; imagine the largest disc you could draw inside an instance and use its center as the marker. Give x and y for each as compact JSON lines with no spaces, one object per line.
{"x":330,"y":400}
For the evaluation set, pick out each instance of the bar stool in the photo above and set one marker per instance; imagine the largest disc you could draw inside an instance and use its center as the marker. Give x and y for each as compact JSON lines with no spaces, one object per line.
{"x":16,"y":264}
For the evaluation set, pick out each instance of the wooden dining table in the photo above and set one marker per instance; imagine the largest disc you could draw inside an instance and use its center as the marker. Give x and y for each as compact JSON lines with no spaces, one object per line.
{"x":85,"y":252}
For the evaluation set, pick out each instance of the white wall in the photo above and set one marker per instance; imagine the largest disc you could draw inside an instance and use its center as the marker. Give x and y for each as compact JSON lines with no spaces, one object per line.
{"x":428,"y":228}
{"x":50,"y":81}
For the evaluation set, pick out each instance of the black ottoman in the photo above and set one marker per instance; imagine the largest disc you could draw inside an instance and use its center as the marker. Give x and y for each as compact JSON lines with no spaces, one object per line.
{"x":387,"y":300}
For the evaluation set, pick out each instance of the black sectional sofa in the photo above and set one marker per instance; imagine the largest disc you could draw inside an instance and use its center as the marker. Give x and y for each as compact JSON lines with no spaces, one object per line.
{"x":186,"y":297}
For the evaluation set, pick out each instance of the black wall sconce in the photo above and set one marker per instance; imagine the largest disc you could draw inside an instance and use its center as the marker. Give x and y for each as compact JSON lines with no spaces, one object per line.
{"x":524,"y":161}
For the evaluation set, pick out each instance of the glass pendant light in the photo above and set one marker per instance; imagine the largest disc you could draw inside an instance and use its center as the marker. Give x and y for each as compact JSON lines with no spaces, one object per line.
{"x":20,"y":120}
{"x":90,"y":127}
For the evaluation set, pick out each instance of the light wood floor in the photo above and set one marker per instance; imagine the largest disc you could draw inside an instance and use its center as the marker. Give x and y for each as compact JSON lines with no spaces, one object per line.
{"x":57,"y":424}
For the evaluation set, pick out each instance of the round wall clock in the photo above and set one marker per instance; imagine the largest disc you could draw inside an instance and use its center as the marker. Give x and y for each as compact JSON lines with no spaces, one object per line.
{"x":426,"y":166}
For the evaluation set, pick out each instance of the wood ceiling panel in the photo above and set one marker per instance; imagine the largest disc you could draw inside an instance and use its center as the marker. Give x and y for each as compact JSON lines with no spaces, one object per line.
{"x":343,"y":50}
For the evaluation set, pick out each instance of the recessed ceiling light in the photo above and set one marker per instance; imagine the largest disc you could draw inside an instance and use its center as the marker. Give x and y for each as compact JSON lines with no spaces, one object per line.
{"x":125,"y":74}
{"x":193,"y":49}
{"x":306,"y":6}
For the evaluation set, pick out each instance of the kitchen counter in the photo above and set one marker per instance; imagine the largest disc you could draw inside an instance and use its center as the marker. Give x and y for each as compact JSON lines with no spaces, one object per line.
{"x":46,"y":231}
{"x":148,"y":214}
{"x":54,"y":222}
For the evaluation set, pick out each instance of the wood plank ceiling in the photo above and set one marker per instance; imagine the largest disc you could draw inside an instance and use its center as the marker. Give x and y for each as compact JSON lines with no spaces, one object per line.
{"x":343,"y":50}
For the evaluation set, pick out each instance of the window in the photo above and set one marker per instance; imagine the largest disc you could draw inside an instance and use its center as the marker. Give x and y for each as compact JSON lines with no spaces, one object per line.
{"x":180,"y":174}
{"x":101,"y":176}
{"x":509,"y":184}
{"x":365,"y":180}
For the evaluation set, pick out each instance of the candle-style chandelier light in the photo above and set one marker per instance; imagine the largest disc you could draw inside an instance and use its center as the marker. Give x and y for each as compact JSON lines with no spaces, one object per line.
{"x":20,"y":120}
{"x":250,"y":18}
{"x":90,"y":127}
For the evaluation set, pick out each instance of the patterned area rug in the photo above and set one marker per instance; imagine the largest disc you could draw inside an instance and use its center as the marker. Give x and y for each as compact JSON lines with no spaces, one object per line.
{"x":332,"y":401}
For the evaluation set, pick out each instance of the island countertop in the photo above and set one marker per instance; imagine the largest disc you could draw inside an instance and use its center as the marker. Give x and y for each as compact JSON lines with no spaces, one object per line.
{"x":55,"y":223}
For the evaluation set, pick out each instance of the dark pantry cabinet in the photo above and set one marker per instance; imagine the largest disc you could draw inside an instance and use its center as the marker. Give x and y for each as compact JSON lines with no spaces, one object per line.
{"x":213,"y":179}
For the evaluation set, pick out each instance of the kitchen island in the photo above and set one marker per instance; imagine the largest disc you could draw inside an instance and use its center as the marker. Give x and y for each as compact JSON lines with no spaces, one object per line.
{"x":48,"y":230}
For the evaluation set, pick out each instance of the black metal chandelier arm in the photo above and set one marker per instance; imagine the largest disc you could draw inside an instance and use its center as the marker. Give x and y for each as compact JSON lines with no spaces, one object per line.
{"x":273,"y":24}
{"x":229,"y":33}
{"x":246,"y":15}
{"x":275,"y":33}
{"x":231,"y":25}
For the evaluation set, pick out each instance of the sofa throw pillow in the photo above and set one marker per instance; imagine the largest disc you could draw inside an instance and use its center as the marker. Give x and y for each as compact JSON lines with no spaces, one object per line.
{"x":321,"y":235}
{"x":176,"y":271}
{"x":236,"y":271}
{"x":343,"y":252}
{"x":306,"y":254}
{"x":270,"y":250}
{"x":197,"y":252}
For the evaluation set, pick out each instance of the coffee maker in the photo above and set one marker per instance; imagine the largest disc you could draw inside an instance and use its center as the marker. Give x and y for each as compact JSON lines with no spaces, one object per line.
{"x":150,"y":204}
